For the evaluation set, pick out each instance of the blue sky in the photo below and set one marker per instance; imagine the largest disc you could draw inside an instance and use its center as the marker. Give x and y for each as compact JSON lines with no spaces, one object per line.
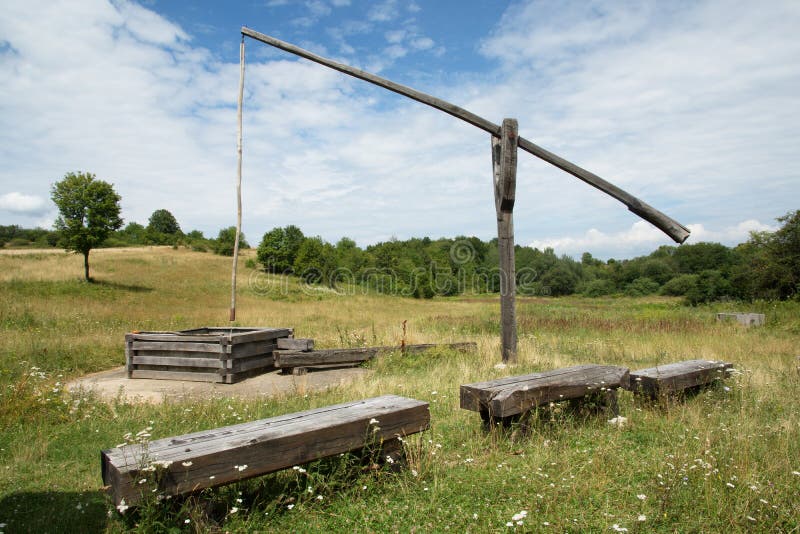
{"x":691,"y":106}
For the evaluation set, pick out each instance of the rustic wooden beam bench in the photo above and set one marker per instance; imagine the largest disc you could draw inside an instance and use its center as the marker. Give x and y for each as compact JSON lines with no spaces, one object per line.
{"x":505,"y":398}
{"x":184,"y":464}
{"x":675,"y":378}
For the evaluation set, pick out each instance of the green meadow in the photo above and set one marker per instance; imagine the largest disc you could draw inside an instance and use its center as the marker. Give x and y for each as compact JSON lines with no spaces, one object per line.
{"x":724,"y":460}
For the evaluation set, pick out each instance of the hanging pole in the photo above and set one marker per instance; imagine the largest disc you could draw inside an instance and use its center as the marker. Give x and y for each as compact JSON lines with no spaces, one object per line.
{"x":504,"y":167}
{"x":238,"y":182}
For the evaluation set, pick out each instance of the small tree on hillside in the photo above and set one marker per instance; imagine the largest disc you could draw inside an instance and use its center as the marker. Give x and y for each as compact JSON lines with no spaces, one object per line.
{"x":226,"y":240}
{"x":163,"y":222}
{"x":88,"y":212}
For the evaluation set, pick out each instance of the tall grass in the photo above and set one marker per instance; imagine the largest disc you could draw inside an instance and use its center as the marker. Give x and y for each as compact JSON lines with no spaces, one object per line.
{"x":727,"y":459}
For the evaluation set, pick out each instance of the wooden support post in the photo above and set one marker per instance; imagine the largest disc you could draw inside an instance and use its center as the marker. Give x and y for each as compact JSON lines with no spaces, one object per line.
{"x":504,"y":164}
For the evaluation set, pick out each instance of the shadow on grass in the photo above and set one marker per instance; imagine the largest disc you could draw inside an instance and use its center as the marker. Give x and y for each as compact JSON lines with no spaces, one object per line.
{"x":54,"y":511}
{"x":121,"y":287}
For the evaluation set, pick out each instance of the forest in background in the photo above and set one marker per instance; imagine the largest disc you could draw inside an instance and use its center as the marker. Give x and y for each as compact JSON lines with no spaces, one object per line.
{"x":767,"y":266}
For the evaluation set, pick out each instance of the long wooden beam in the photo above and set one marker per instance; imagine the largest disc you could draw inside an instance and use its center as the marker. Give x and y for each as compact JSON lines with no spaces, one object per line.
{"x":666,"y":224}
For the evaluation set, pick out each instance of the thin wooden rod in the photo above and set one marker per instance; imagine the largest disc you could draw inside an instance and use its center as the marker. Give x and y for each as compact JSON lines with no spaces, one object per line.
{"x":666,"y":224}
{"x":238,"y":182}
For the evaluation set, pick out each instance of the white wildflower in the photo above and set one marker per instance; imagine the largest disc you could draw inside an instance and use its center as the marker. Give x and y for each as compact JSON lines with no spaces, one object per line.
{"x":122,"y":506}
{"x":234,"y":510}
{"x":642,"y":517}
{"x":641,"y":496}
{"x":373,"y":421}
{"x":320,"y":497}
{"x":753,"y":519}
{"x":520,"y":515}
{"x":509,"y":524}
{"x":474,"y":516}
{"x":143,"y":481}
{"x":187,"y":521}
{"x":729,"y":485}
{"x":618,"y":421}
{"x":796,"y":473}
{"x":289,"y":506}
{"x":414,"y":472}
{"x":186,"y":464}
{"x":617,"y":528}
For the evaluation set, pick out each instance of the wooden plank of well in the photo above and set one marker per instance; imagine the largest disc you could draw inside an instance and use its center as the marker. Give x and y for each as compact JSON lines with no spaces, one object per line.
{"x":255,"y":348}
{"x":178,"y":346}
{"x":176,"y":375}
{"x":256,"y":362}
{"x":178,"y":362}
{"x":264,"y":334}
{"x":675,"y":377}
{"x":295,"y":343}
{"x":517,"y":394}
{"x":220,"y":456}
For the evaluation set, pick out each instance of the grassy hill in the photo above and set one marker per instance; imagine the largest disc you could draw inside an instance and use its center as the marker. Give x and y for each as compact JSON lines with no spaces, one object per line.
{"x":725,"y":460}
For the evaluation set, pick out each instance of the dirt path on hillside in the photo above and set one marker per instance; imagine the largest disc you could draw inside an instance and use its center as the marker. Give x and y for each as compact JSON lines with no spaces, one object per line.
{"x":112,"y":384}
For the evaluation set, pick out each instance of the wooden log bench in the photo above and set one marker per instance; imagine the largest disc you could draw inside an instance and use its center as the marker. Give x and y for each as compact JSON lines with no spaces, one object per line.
{"x":299,"y":361}
{"x":505,"y":398}
{"x":676,"y":378}
{"x":188,"y":463}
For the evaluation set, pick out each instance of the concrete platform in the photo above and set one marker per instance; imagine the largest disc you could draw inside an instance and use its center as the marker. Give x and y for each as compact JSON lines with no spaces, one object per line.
{"x":112,"y":384}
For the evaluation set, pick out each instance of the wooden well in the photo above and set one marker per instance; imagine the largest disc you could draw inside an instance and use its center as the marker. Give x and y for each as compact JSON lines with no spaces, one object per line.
{"x":207,"y":354}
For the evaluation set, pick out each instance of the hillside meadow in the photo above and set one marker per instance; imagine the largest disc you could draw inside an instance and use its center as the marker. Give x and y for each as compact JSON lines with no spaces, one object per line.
{"x":727,"y":459}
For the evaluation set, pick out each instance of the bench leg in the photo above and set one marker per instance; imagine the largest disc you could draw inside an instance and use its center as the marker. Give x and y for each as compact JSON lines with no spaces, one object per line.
{"x":611,"y":401}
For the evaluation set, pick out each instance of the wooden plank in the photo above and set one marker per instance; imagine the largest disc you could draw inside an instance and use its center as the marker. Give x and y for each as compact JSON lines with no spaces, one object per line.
{"x":675,"y":377}
{"x":182,"y":354}
{"x":666,"y":224}
{"x":295,"y":343}
{"x":128,"y":356}
{"x":211,"y":348}
{"x":182,"y":362}
{"x":174,"y":375}
{"x":330,"y":356}
{"x":287,"y":358}
{"x":219,"y":456}
{"x":261,"y":335}
{"x":176,"y":337}
{"x":246,"y":350}
{"x":517,"y":394}
{"x":248,"y":364}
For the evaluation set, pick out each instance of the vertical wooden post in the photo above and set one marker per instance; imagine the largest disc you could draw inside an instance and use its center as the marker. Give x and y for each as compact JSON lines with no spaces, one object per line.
{"x":238,"y":183}
{"x":504,"y":166}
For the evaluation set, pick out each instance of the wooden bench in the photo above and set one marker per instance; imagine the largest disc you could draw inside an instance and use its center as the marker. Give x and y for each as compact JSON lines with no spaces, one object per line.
{"x":507,"y":397}
{"x":184,"y":464}
{"x":675,"y":378}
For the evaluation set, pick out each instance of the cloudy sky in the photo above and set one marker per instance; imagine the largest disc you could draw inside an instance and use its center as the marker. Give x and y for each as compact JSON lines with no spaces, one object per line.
{"x":691,"y":106}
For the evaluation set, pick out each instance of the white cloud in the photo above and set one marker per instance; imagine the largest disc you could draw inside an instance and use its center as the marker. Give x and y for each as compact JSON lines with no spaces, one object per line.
{"x":642,"y":238}
{"x":22,"y":203}
{"x":383,"y":11}
{"x":422,"y":43}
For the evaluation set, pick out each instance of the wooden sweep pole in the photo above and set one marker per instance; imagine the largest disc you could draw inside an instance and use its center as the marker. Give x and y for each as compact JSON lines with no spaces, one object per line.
{"x":238,"y":183}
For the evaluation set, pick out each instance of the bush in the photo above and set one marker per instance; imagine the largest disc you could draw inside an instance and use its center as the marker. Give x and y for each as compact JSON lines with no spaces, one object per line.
{"x":641,"y":286}
{"x":680,"y":285}
{"x":710,"y":286}
{"x":599,"y":288}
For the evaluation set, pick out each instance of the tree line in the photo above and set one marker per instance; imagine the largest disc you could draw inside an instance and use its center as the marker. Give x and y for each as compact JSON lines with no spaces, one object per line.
{"x":767,"y":266}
